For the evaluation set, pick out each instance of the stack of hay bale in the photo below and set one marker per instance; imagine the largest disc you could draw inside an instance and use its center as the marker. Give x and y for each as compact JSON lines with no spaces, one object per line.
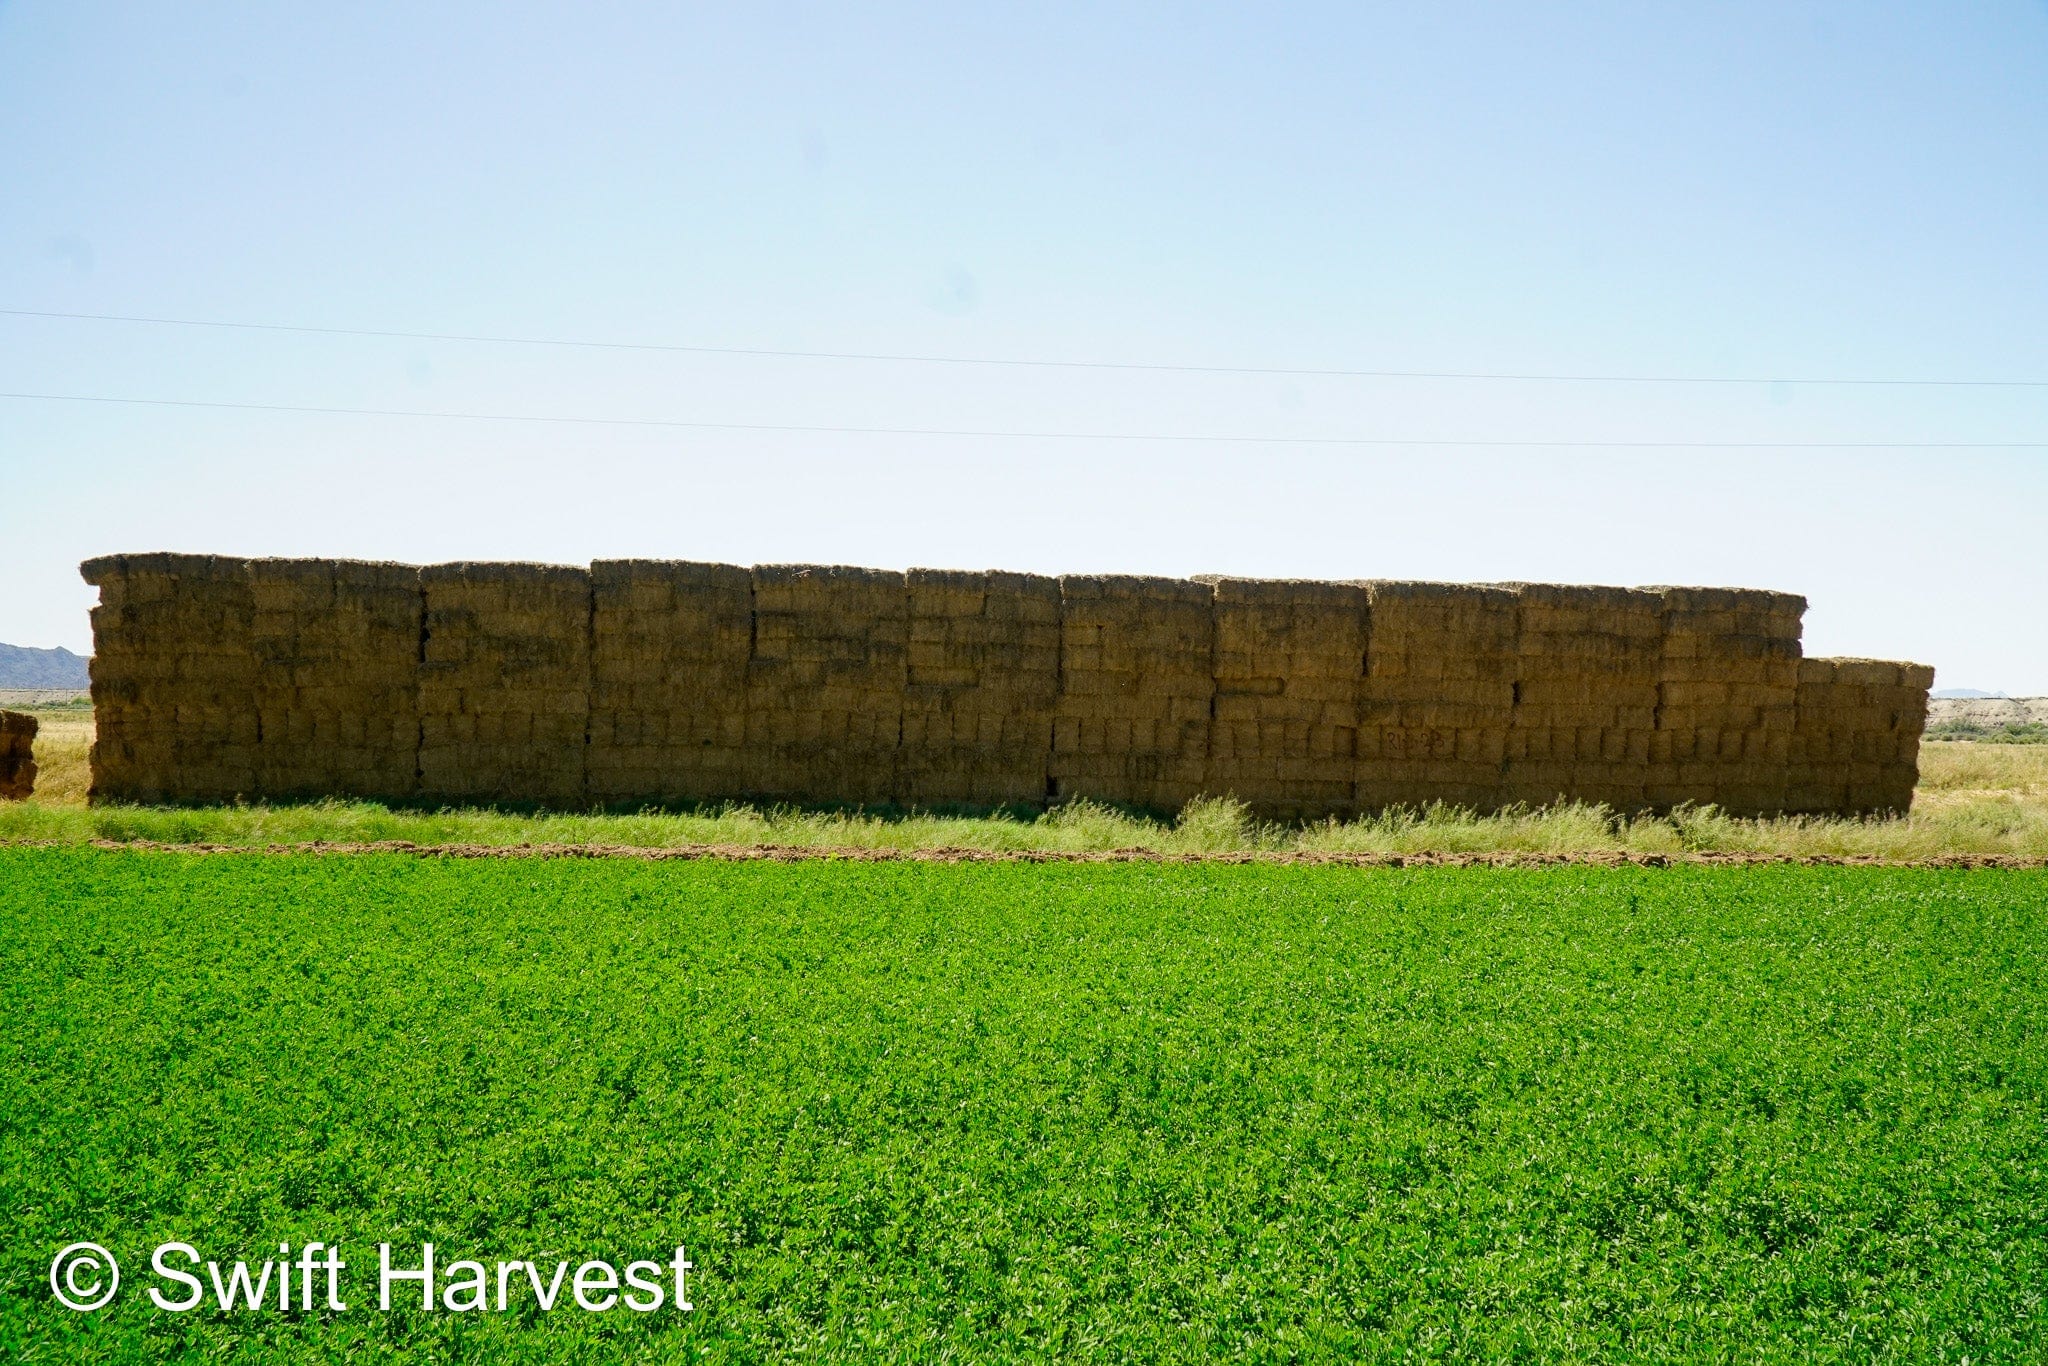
{"x":1585,"y":693}
{"x":1132,"y":725}
{"x":984,"y":674}
{"x":668,"y":680}
{"x":218,"y":678}
{"x":504,"y":693}
{"x":17,"y":756}
{"x":1434,"y":712}
{"x":173,"y":679}
{"x":825,"y":683}
{"x":1856,"y":736}
{"x":1289,"y":664}
{"x":336,"y":645}
{"x":1725,"y":699}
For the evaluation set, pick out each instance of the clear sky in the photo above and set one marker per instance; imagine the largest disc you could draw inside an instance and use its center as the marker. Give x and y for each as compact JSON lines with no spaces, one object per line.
{"x":1752,"y":190}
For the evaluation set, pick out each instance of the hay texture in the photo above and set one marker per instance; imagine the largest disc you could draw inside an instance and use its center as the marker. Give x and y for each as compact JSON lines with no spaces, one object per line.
{"x":640,"y":681}
{"x":335,"y":646}
{"x":17,"y":756}
{"x":504,"y":683}
{"x":1289,"y":665}
{"x":1439,"y":694}
{"x":825,"y":683}
{"x":1588,"y":664}
{"x":670,"y":642}
{"x":983,"y":655}
{"x":174,"y":674}
{"x":1855,"y":743}
{"x":1132,"y":722}
{"x":1726,"y":699}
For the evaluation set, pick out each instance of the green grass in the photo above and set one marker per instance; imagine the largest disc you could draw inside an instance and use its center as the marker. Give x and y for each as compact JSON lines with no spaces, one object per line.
{"x":1965,"y":821}
{"x":1116,"y":1112}
{"x":1997,"y":733}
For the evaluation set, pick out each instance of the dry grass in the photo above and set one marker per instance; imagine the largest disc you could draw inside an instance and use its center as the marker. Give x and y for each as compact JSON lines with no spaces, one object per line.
{"x":63,"y":743}
{"x":1973,"y":798}
{"x":1954,"y":772}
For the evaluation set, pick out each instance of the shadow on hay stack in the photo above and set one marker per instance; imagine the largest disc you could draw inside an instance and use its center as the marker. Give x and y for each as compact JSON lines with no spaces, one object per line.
{"x":639,"y":682}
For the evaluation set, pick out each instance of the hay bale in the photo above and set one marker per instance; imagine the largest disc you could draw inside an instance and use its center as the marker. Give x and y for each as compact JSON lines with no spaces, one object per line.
{"x":1731,"y":665}
{"x":17,"y":756}
{"x":1588,"y":664}
{"x":336,"y":646}
{"x":504,"y":683}
{"x":1437,"y":700}
{"x":982,"y":678}
{"x":1288,"y":665}
{"x":669,"y":648}
{"x":1132,"y":723}
{"x":825,"y":683}
{"x":1855,"y":744}
{"x":173,"y":678}
{"x":645,"y":680}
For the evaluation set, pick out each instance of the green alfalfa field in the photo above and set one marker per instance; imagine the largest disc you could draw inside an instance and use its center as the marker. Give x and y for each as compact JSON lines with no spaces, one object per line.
{"x":987,"y":1112}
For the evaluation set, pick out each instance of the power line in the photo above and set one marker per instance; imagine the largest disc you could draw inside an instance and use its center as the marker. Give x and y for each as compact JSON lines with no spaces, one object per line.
{"x":1021,"y":362}
{"x":1160,"y":437}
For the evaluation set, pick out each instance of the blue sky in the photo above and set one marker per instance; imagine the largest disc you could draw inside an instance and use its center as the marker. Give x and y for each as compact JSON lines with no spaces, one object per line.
{"x":1747,"y":190}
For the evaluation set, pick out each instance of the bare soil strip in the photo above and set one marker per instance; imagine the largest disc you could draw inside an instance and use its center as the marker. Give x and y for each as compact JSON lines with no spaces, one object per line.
{"x":791,"y":853}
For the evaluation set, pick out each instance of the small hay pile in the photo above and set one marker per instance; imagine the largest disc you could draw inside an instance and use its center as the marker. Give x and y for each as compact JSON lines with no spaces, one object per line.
{"x":17,"y":756}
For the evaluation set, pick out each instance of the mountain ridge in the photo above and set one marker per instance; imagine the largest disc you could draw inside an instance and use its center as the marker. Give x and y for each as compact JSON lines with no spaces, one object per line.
{"x":24,"y":666}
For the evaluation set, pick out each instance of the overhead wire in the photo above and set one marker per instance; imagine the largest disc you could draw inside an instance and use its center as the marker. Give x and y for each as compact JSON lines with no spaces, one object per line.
{"x":1331,"y":372}
{"x":1013,"y":434}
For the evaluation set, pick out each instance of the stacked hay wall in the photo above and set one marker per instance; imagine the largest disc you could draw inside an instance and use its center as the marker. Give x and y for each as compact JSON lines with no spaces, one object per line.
{"x":504,"y":683}
{"x":1439,"y":695}
{"x":668,"y":681}
{"x":1588,"y":665}
{"x":1726,"y":698}
{"x":642,"y":681}
{"x":983,"y":656}
{"x":335,"y":689}
{"x":825,"y":683}
{"x":17,"y":756}
{"x":1288,"y":663}
{"x":1132,"y":722}
{"x":1855,"y":743}
{"x":174,"y":678}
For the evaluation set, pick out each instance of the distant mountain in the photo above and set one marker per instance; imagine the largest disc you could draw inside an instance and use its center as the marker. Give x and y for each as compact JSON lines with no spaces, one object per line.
{"x":23,"y":667}
{"x":1963,"y":692}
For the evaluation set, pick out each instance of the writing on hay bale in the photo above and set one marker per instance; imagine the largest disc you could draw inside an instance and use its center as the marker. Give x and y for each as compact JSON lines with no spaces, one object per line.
{"x":637,"y":681}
